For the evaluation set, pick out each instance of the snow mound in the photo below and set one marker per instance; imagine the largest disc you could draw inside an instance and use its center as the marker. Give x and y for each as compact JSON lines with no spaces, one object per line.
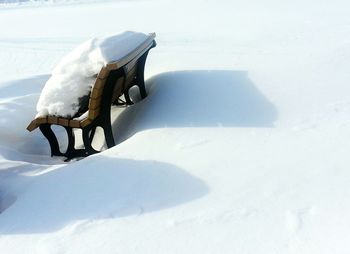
{"x":75,"y":74}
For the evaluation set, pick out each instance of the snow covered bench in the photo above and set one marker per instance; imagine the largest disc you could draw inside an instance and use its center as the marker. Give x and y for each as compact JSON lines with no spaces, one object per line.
{"x":113,"y":80}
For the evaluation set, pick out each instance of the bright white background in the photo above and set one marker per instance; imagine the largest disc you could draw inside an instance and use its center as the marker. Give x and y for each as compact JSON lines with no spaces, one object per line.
{"x":240,"y":147}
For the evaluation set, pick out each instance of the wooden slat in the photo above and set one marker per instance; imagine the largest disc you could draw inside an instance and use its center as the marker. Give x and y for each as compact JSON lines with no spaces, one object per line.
{"x":63,"y":121}
{"x":52,"y":119}
{"x":97,"y":89}
{"x":95,"y":103}
{"x":74,"y":123}
{"x":36,"y":122}
{"x":85,"y":122}
{"x":103,"y":73}
{"x":33,"y":125}
{"x":99,"y":84}
{"x":93,"y":113}
{"x":41,"y":120}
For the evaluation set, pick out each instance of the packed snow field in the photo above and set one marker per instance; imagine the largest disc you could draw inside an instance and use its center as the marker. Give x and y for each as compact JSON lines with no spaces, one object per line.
{"x":240,"y":147}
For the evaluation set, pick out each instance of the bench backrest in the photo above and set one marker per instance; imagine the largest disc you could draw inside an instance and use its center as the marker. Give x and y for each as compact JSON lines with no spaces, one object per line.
{"x":128,"y":65}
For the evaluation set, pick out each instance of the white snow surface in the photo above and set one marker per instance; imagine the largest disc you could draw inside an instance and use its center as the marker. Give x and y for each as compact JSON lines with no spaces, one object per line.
{"x":240,"y":147}
{"x":75,"y":75}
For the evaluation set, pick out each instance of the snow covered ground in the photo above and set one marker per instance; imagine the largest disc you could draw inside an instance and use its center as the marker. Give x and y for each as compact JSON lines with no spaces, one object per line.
{"x":240,"y":147}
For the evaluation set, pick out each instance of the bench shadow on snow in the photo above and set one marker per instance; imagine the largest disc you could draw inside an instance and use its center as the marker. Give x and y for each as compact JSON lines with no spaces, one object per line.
{"x":200,"y":98}
{"x":98,"y":188}
{"x":218,"y":98}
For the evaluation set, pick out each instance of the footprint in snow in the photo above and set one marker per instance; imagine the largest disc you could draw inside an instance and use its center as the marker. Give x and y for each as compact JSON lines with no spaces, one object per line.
{"x":296,"y":219}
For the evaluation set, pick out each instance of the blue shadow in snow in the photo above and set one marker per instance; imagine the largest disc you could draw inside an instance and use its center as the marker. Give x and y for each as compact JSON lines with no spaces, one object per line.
{"x":23,"y":87}
{"x":201,"y":98}
{"x":99,"y":187}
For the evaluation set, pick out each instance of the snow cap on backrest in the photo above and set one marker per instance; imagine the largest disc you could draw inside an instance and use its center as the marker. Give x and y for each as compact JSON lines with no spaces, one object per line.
{"x":75,"y":74}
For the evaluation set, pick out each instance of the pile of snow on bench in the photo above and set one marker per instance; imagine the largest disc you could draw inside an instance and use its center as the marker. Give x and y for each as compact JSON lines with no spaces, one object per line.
{"x":75,"y":74}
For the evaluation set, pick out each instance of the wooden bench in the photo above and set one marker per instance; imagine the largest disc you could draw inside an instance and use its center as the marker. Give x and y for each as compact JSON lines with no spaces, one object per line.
{"x":114,"y":80}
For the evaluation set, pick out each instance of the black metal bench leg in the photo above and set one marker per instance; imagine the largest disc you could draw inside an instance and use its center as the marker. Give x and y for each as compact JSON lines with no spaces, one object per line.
{"x":92,"y":134}
{"x":107,"y":129}
{"x":71,"y":142}
{"x":88,"y":140}
{"x":142,"y":88}
{"x":128,"y":101}
{"x":72,"y":152}
{"x":51,"y":137}
{"x":140,"y":76}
